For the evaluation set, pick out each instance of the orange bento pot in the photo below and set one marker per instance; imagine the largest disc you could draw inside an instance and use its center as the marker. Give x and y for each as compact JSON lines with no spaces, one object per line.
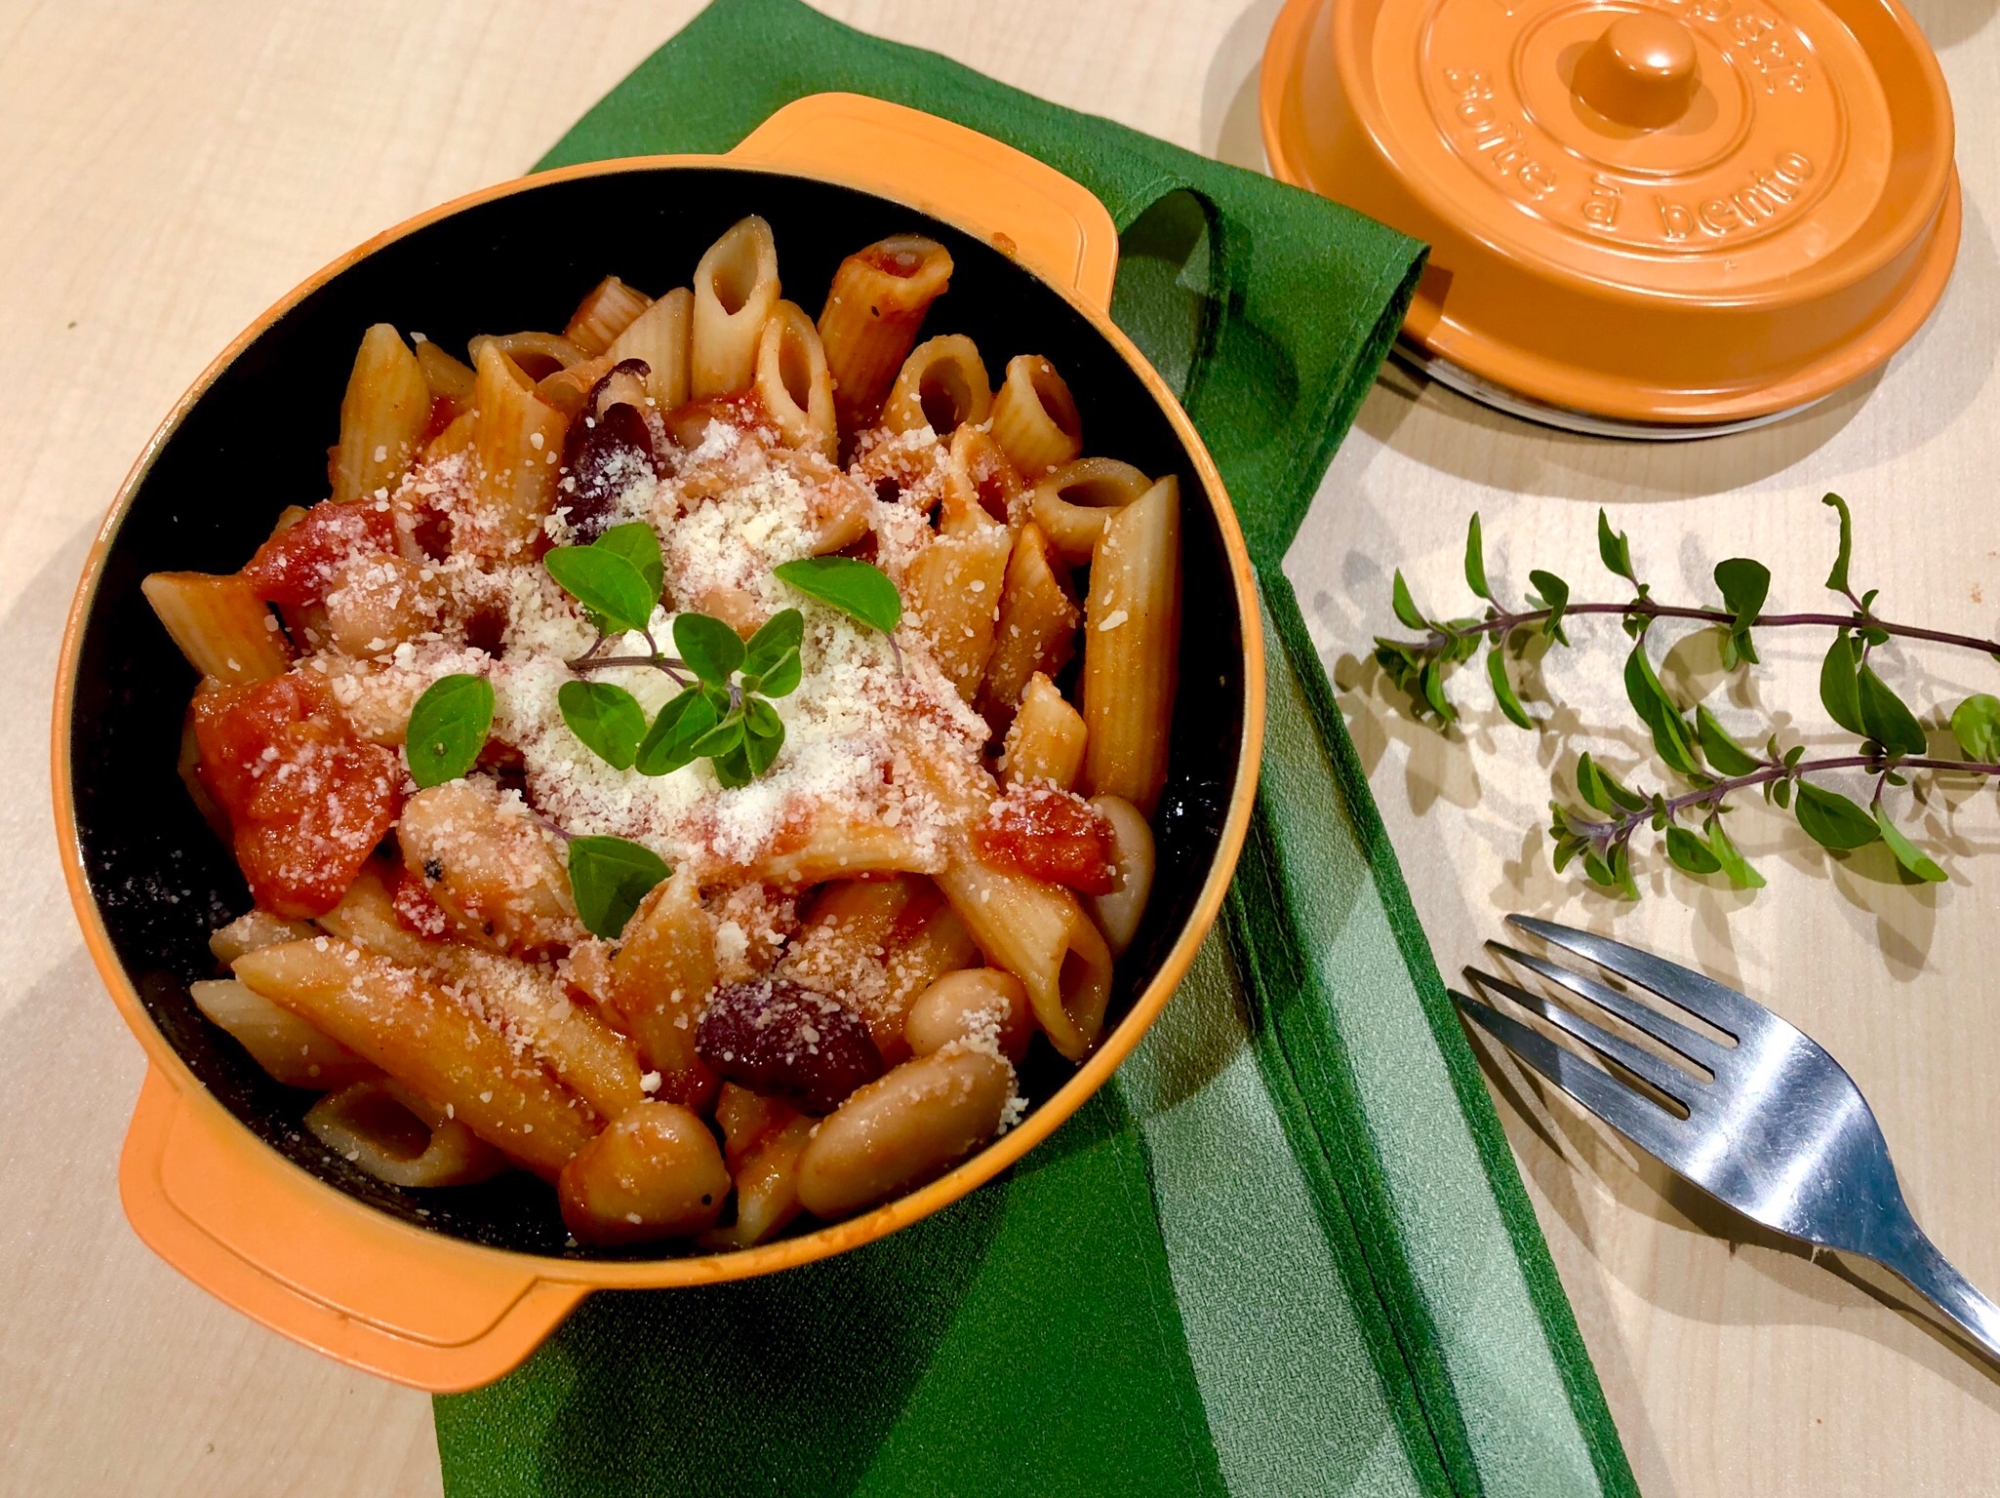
{"x":390,"y":1292}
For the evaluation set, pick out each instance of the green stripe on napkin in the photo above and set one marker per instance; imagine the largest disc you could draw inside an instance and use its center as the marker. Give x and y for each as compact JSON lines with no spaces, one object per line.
{"x":1287,"y":1250}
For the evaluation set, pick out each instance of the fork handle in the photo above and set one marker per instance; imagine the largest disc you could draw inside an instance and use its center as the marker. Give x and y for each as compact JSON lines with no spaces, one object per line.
{"x":1932,"y":1275}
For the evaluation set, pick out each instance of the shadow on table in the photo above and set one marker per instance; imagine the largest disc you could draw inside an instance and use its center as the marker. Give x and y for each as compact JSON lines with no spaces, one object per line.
{"x":1931,"y":383}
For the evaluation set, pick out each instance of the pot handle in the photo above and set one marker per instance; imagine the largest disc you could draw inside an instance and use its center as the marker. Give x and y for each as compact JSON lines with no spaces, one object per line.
{"x":252,"y":1229}
{"x":1032,"y":212}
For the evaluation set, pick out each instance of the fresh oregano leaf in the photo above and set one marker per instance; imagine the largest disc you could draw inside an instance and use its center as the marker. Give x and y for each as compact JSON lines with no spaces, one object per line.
{"x":639,"y":544}
{"x":607,"y":718}
{"x":1745,"y":585}
{"x":711,"y":648}
{"x":1475,"y":560}
{"x":1832,"y":820}
{"x":1650,"y":701}
{"x":1975,"y":722}
{"x":721,"y":739}
{"x":1886,"y":719}
{"x":608,"y":877}
{"x":1908,"y":854}
{"x":864,"y":593}
{"x":733,"y":769}
{"x":1688,"y":852}
{"x":1724,"y":754}
{"x":781,"y":635}
{"x":781,"y":680}
{"x":1839,"y":683}
{"x":1837,"y":578}
{"x":1621,"y":871}
{"x":447,"y":729}
{"x":1614,"y":549}
{"x":763,"y":734}
{"x":669,"y":743}
{"x":1503,"y":689}
{"x":1600,"y":788}
{"x":1781,"y":794}
{"x":1732,"y":863}
{"x":1431,"y":680}
{"x":1404,"y":605}
{"x":606,"y":583}
{"x":1551,"y":593}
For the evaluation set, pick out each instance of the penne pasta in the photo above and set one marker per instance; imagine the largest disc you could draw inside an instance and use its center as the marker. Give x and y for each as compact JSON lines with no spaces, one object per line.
{"x":658,"y":338}
{"x":1119,"y":913}
{"x":568,"y":390}
{"x":524,"y":999}
{"x":417,"y":1032}
{"x":396,"y":1136}
{"x":259,"y":928}
{"x":1035,"y":632}
{"x":1040,"y":934}
{"x":761,"y":1141}
{"x":980,"y":485}
{"x":942,"y":385}
{"x":516,"y":443}
{"x":1035,"y":419}
{"x":537,"y":355}
{"x":449,"y":381}
{"x":873,"y":309}
{"x":288,"y":1048}
{"x":952,"y":592}
{"x":1046,"y":743}
{"x":735,"y":288}
{"x":1072,"y":504}
{"x":221,"y":625}
{"x":607,"y":310}
{"x":1131,"y":648}
{"x":383,"y":417}
{"x":660,"y":978}
{"x":843,"y":845}
{"x":845,"y":944}
{"x":792,"y":381}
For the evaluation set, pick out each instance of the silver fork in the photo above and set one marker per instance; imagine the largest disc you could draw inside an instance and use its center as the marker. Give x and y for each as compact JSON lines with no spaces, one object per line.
{"x":1778,"y":1130}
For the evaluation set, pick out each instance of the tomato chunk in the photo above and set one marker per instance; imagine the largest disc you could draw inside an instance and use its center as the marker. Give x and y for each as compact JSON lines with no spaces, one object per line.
{"x":1050,"y":835}
{"x":298,"y":565}
{"x":307,"y":801}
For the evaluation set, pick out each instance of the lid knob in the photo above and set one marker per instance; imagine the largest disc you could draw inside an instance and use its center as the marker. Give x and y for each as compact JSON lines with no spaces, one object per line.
{"x":1642,"y":72}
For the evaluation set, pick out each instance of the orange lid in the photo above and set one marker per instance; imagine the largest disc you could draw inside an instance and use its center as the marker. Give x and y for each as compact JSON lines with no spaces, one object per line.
{"x":1651,"y":211}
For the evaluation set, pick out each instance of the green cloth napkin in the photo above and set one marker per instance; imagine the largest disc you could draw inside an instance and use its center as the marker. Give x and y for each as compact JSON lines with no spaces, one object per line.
{"x":1287,"y":1250}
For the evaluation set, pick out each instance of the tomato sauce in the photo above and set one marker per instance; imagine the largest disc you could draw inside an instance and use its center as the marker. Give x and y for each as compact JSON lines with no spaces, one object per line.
{"x":1050,"y":835}
{"x":297,"y":566}
{"x":307,"y":800}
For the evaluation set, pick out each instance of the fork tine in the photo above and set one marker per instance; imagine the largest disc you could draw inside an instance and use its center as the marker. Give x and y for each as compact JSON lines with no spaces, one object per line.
{"x":1651,"y":1128}
{"x":1722,"y":1007}
{"x":1696,"y":1047}
{"x":1668,"y":1078}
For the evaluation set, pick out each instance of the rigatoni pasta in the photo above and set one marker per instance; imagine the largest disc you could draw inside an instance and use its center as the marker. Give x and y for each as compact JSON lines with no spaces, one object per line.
{"x":873,"y":310}
{"x":659,"y":762}
{"x":735,"y":289}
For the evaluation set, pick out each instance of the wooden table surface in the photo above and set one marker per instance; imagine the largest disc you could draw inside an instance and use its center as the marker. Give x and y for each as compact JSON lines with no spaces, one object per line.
{"x":168,"y":170}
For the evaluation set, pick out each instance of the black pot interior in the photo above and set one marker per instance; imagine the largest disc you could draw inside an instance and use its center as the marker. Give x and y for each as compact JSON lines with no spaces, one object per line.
{"x":257,"y":440}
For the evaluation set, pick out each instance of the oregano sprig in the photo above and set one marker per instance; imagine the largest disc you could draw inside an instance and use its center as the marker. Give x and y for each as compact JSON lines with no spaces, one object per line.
{"x":1695,"y":746}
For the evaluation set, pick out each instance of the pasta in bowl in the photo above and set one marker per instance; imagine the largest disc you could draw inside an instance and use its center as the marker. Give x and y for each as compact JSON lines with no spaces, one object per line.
{"x":675,"y":792}
{"x":774,"y":879}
